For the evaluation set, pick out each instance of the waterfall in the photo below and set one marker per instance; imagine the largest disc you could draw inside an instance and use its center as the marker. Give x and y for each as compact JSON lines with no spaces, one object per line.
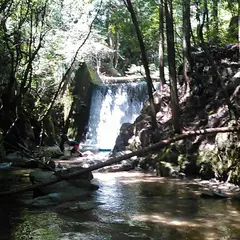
{"x":112,"y":105}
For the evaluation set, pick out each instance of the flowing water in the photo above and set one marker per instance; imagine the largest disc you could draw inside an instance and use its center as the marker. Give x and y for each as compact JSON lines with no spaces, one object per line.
{"x":112,"y":105}
{"x":130,"y":205}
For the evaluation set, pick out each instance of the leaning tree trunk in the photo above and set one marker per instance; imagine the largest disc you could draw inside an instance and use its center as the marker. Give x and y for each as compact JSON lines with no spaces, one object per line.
{"x":157,"y":146}
{"x":172,"y":67}
{"x":129,"y":6}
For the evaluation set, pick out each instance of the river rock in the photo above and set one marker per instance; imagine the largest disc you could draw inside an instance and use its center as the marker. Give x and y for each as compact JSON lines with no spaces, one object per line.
{"x":52,"y":151}
{"x":69,"y":186}
{"x":126,"y":132}
{"x":165,"y":169}
{"x":79,"y":206}
{"x":17,"y":159}
{"x":126,"y":165}
{"x":210,"y":193}
{"x":57,"y":198}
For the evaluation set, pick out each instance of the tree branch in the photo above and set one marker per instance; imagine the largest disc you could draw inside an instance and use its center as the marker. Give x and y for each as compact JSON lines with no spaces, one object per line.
{"x":60,"y":86}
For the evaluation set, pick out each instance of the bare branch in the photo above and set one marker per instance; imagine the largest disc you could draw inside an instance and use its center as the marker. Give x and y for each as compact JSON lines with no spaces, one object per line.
{"x":61,"y":84}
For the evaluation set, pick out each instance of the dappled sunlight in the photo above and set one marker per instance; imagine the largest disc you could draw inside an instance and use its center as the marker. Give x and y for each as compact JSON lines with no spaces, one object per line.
{"x":163,"y":219}
{"x":146,"y":180}
{"x":211,"y":226}
{"x":135,"y":205}
{"x":145,"y":200}
{"x":236,"y":225}
{"x":125,"y":175}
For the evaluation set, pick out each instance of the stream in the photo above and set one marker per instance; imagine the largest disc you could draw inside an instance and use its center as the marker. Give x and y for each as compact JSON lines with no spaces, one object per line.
{"x":128,"y":205}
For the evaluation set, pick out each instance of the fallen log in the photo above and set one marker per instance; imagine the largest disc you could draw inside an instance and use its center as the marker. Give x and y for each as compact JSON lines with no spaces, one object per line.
{"x":110,"y":161}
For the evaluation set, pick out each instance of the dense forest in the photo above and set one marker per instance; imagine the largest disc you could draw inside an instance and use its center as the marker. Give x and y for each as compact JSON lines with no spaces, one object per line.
{"x":185,"y":45}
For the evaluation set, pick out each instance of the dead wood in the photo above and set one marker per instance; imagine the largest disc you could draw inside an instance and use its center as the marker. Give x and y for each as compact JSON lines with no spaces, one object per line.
{"x":157,"y":146}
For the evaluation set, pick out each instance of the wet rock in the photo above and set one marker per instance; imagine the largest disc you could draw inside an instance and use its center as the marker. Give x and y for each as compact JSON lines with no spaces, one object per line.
{"x":125,"y":165}
{"x":87,"y":176}
{"x":118,"y":168}
{"x":5,"y":165}
{"x":146,"y":136}
{"x":126,"y":132}
{"x":189,"y":168}
{"x":165,"y":169}
{"x":71,"y":185}
{"x":213,"y":194}
{"x":52,"y":151}
{"x":78,"y":206}
{"x":214,"y":188}
{"x":64,"y":157}
{"x":57,"y":198}
{"x":26,"y":164}
{"x":16,"y":157}
{"x":181,"y":175}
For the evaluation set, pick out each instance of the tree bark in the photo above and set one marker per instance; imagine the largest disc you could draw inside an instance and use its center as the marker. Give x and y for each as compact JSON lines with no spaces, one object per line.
{"x":129,"y":6}
{"x":172,"y":67}
{"x":161,"y":44}
{"x":157,"y":146}
{"x":207,"y":19}
{"x":215,"y":20}
{"x":187,"y":66}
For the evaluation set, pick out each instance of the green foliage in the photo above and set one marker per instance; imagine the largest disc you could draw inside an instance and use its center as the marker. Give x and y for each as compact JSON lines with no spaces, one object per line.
{"x":227,"y":163}
{"x":168,"y":154}
{"x":117,"y":19}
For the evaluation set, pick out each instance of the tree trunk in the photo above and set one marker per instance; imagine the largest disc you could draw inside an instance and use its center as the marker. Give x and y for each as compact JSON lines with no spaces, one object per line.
{"x":161,"y":44}
{"x":187,"y":66}
{"x":116,"y":48}
{"x":215,"y":20}
{"x":111,"y":45}
{"x":172,"y":67}
{"x":129,"y":6}
{"x":157,"y":146}
{"x":68,"y":119}
{"x":207,"y":19}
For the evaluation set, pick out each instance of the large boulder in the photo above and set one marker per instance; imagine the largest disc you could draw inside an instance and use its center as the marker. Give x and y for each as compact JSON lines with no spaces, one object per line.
{"x":125,"y":133}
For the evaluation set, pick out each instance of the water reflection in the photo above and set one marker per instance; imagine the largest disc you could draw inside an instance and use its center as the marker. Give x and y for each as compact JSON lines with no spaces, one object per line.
{"x":136,"y":206}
